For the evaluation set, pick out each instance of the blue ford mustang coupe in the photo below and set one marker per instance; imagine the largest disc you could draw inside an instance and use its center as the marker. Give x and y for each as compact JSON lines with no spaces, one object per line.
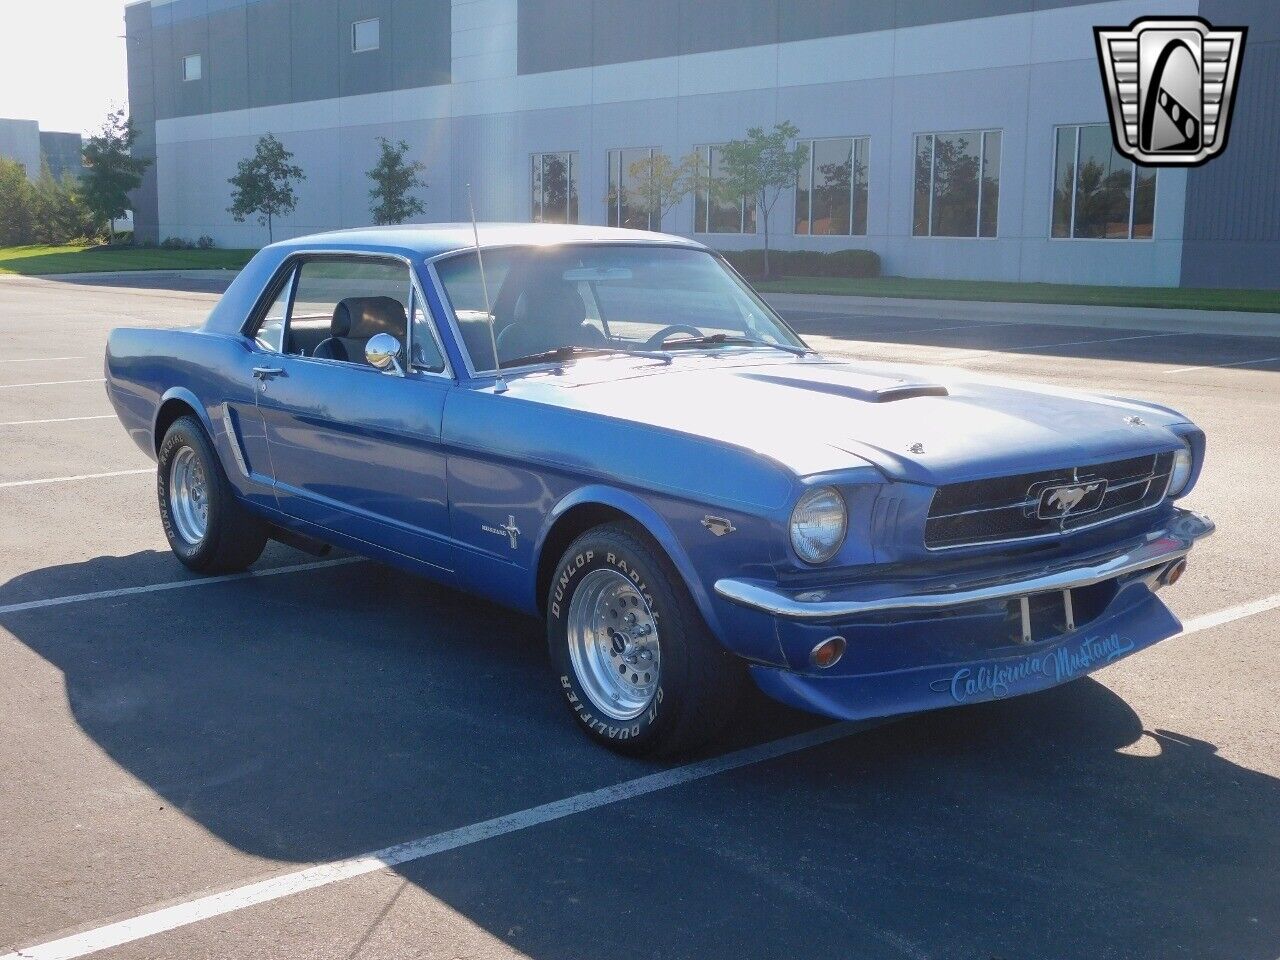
{"x":608,"y":429}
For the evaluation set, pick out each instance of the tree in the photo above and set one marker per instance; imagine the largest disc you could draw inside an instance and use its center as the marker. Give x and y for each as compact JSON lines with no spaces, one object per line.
{"x":394,"y":180}
{"x":761,"y":166}
{"x":15,"y":204}
{"x":58,"y":211}
{"x":263,"y":185}
{"x":659,"y":183}
{"x":112,"y":171}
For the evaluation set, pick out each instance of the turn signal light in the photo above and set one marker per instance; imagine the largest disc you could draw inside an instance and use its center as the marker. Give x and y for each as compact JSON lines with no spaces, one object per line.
{"x":1173,"y":572}
{"x":828,"y":653}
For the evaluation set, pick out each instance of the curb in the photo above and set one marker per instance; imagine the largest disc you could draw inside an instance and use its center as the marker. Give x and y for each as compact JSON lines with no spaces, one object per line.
{"x":215,"y":273}
{"x":1211,"y":322}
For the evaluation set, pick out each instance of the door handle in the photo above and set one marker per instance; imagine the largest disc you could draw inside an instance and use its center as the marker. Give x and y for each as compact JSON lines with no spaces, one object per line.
{"x":267,"y":373}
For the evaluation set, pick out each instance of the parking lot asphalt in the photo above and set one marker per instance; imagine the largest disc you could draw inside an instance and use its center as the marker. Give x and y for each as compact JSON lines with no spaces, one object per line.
{"x":168,"y":746}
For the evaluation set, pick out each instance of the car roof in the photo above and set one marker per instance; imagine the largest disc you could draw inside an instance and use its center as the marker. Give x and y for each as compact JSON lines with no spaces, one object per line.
{"x":433,"y":239}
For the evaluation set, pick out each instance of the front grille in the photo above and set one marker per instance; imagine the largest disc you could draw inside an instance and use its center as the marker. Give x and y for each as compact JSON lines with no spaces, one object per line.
{"x":1010,"y":508}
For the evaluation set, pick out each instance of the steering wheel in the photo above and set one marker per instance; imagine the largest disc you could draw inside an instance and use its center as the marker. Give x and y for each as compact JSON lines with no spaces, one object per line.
{"x":659,"y":338}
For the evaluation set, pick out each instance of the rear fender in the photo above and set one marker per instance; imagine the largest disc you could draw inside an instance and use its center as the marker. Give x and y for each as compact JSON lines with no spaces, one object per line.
{"x":190,"y":399}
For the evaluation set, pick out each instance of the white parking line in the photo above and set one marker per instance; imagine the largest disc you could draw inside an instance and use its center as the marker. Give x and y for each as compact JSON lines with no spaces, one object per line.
{"x":78,"y":476}
{"x":1014,"y":348}
{"x":1216,"y":366}
{"x":39,"y":359}
{"x":274,"y":888}
{"x":50,"y":383}
{"x":173,"y":585}
{"x":28,"y":423}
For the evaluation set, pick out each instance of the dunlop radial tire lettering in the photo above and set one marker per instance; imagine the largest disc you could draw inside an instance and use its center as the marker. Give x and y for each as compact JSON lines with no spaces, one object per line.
{"x":700,"y":684}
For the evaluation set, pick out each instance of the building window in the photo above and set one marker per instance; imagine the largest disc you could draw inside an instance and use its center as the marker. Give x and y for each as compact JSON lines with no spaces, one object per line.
{"x":191,"y":67}
{"x":366,"y":35}
{"x":555,"y":187}
{"x":630,"y":200}
{"x":957,"y":184}
{"x":713,"y":213}
{"x":1097,"y":193}
{"x":831,"y":189}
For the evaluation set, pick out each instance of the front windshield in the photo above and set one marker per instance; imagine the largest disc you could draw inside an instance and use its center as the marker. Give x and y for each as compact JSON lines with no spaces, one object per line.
{"x":553,"y":302}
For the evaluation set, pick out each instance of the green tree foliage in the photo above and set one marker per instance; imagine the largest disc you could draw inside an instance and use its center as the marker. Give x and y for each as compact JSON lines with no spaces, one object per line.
{"x":761,"y":165}
{"x":394,"y":181}
{"x":15,"y":204}
{"x":111,"y":170}
{"x":59,"y":213}
{"x":659,"y":183}
{"x":263,"y":185}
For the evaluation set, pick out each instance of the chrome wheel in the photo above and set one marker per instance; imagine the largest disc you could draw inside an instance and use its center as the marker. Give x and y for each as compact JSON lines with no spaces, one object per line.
{"x":613,"y":645}
{"x":188,"y":496}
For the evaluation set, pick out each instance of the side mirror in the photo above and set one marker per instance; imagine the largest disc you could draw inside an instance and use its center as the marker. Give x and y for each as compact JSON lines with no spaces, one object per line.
{"x":383,"y":352}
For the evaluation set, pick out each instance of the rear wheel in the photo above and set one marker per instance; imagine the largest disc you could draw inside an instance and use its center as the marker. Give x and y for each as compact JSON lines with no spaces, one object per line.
{"x":636,"y":663}
{"x":208,"y":529}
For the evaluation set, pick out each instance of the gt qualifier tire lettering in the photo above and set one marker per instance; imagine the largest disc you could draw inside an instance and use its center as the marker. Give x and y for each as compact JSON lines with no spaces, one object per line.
{"x":613,"y":733}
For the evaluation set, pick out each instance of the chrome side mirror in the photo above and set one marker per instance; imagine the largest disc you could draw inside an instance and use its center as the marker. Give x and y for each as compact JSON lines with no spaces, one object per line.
{"x":383,"y":353}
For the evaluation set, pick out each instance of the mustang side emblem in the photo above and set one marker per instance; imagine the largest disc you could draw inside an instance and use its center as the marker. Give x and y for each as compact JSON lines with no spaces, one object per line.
{"x":1057,"y":503}
{"x":508,"y":530}
{"x":718,"y":525}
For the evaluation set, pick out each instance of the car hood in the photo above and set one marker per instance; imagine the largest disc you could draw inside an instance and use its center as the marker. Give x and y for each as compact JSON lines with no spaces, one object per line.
{"x":917,"y":424}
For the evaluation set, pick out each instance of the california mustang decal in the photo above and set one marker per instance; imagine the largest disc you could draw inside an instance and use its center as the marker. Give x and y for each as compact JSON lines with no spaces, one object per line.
{"x":997,"y":680}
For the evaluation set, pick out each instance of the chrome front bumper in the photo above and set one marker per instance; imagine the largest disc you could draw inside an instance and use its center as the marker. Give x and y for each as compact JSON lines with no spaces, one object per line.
{"x":1152,"y":552}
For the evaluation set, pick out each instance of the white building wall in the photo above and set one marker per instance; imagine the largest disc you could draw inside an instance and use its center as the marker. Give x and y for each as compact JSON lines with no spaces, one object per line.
{"x":1020,"y":73}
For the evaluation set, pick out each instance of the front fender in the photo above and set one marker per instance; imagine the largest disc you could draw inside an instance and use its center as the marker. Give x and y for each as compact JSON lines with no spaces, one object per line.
{"x":654,"y":524}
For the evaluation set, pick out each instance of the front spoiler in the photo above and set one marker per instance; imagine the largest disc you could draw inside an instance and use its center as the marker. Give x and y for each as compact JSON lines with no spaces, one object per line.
{"x":1156,"y":549}
{"x":1140,"y":621}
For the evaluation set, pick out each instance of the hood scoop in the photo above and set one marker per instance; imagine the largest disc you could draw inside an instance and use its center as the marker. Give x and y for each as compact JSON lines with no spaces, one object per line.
{"x":869,"y":389}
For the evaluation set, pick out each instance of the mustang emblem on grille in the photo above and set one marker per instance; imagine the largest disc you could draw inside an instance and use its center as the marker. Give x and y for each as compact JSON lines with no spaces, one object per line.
{"x":1057,"y":503}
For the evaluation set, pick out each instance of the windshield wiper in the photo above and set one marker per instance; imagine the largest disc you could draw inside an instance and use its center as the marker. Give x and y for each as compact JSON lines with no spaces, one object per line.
{"x":570,"y":352}
{"x":735,"y":340}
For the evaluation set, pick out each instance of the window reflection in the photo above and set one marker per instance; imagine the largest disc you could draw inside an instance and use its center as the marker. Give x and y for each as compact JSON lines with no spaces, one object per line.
{"x":712,"y":211}
{"x":554,"y":188}
{"x":831,"y":189}
{"x":1099,"y":194}
{"x":629,"y":199}
{"x":957,"y":184}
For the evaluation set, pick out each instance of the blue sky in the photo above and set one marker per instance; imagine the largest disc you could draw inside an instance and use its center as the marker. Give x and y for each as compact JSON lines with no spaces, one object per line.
{"x":64,"y":63}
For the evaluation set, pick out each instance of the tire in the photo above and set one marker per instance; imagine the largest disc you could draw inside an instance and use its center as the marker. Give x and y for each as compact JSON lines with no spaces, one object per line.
{"x":608,"y":574}
{"x":190,"y":482}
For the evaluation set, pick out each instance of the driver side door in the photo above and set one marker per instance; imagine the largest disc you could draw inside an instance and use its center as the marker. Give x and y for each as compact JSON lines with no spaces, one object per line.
{"x":354,"y":449}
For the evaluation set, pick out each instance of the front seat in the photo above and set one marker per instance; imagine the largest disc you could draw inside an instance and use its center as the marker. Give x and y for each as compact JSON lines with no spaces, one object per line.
{"x":355,"y":321}
{"x":548,"y":316}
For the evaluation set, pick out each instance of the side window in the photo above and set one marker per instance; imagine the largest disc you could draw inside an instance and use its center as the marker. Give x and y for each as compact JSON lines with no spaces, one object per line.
{"x":270,"y":335}
{"x":426,"y":352}
{"x":339,"y":304}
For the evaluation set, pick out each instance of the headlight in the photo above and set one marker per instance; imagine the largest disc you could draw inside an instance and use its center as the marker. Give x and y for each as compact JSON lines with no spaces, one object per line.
{"x":1180,"y":475}
{"x":818,"y":525}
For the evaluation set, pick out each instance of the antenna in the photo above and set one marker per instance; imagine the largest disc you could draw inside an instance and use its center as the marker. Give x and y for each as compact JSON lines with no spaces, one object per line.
{"x":499,"y":385}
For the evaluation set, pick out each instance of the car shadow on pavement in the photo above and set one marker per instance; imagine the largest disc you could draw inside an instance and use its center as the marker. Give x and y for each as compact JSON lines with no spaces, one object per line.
{"x":320,"y":715}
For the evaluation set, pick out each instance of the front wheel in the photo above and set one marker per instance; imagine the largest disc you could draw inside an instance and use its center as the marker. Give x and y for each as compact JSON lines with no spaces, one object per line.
{"x":208,"y":529}
{"x":634,"y":660}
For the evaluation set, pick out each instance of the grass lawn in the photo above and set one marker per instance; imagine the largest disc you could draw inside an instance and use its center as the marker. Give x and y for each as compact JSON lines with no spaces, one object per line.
{"x":35,"y":260}
{"x":1169,"y":298}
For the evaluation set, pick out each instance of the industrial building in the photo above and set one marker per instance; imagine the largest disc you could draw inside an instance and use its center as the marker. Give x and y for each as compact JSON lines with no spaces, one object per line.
{"x":956,"y":138}
{"x":25,"y":142}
